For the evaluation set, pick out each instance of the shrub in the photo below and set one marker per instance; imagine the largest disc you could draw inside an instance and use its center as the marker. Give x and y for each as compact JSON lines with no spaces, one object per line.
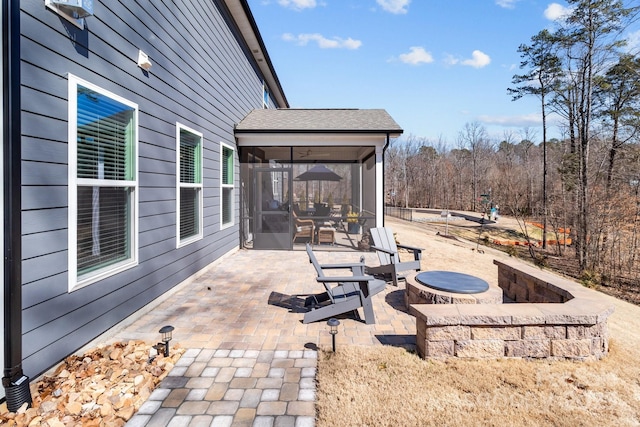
{"x":590,"y":279}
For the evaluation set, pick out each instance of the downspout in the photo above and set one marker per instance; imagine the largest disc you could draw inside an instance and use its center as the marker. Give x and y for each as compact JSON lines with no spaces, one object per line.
{"x":14,"y":381}
{"x":384,"y":150}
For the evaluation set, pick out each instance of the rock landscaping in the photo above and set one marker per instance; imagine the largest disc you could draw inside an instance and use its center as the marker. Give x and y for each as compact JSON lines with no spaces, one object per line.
{"x":103,"y":387}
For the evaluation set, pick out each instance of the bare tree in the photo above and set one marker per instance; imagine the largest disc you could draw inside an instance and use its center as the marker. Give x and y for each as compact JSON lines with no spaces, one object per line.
{"x":474,"y":139}
{"x":588,"y":37}
{"x":541,"y":80}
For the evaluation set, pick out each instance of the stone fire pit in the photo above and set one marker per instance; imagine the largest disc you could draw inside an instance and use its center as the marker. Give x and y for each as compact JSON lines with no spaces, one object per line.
{"x":550,"y":318}
{"x":430,"y":289}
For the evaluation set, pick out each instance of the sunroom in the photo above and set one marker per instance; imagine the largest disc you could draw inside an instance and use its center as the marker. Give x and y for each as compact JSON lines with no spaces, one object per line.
{"x":312,"y":176}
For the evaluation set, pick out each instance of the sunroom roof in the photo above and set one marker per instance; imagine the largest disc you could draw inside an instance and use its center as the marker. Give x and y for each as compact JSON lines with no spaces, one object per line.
{"x":334,"y":120}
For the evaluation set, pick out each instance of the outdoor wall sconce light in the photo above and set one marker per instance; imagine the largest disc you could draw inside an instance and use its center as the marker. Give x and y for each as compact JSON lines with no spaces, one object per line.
{"x":166,"y":332}
{"x":73,"y":11}
{"x":143,"y":61}
{"x":333,"y":323}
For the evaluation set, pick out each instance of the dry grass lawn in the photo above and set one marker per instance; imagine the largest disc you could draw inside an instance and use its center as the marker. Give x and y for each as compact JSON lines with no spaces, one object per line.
{"x":388,"y":386}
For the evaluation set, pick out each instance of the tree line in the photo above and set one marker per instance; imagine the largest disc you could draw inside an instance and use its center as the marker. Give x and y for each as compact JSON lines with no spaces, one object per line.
{"x":588,"y":181}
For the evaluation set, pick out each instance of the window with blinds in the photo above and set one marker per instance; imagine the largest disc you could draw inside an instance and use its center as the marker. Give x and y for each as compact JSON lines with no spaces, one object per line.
{"x":189,"y":152}
{"x":227,"y":184}
{"x":102,"y":181}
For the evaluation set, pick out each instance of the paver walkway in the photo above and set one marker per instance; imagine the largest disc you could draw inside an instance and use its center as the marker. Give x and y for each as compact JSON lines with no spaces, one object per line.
{"x":235,"y":387}
{"x":250,"y":361}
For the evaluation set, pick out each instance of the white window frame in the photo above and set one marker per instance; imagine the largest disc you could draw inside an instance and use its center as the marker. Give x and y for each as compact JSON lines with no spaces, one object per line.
{"x":224,"y":145}
{"x":76,"y":282}
{"x":179,"y":185}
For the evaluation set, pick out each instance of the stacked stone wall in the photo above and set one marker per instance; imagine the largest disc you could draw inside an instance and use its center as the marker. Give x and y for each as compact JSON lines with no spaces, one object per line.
{"x":553,"y":318}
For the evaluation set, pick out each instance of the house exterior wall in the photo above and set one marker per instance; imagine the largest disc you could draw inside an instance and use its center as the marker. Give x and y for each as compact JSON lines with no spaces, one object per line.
{"x":202,"y":76}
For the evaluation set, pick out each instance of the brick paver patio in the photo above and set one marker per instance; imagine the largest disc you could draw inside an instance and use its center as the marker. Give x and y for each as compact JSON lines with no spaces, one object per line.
{"x":249,"y":359}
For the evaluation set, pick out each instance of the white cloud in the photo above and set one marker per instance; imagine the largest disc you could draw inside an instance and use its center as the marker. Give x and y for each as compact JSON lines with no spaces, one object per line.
{"x":451,"y":60}
{"x":323,"y":42}
{"x":523,"y":120}
{"x":298,"y":4}
{"x":507,"y":4}
{"x":556,"y":11}
{"x":394,"y":6}
{"x":478,"y":60}
{"x":633,"y":42}
{"x":416,"y":56}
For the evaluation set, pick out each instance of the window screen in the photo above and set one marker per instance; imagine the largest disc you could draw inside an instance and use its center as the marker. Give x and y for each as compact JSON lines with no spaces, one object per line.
{"x":190,"y":184}
{"x":227,"y":185}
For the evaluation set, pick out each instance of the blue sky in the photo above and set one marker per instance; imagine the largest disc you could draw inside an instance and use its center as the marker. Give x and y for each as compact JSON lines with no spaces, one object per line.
{"x":434,"y":65}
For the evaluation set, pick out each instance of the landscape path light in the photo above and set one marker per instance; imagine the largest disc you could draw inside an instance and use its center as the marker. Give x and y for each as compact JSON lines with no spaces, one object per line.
{"x":333,"y":325}
{"x":166,"y":332}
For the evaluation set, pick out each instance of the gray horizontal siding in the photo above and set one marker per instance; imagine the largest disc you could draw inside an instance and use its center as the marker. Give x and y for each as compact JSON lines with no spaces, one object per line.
{"x":38,"y":244}
{"x":156,"y":235}
{"x":44,"y":197}
{"x":152,"y":182}
{"x":201,"y":77}
{"x":38,"y":221}
{"x":84,"y":332}
{"x":33,"y":173}
{"x":157,"y":221}
{"x":47,"y":265}
{"x":156,"y":207}
{"x":42,"y":150}
{"x":44,"y":289}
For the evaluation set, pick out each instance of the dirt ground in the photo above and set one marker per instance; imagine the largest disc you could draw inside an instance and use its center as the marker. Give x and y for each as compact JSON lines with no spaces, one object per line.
{"x":450,"y":253}
{"x":467,"y":226}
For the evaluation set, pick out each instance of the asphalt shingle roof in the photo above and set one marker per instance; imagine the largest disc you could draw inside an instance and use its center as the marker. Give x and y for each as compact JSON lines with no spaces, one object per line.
{"x":319,"y":120}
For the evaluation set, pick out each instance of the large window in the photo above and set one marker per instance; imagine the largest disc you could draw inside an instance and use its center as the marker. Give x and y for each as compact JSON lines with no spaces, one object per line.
{"x":227,"y":184}
{"x":102,"y":183}
{"x":189,"y":152}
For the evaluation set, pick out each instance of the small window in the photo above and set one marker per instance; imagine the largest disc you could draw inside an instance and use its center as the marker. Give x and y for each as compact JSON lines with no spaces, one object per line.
{"x":103,"y":183}
{"x":189,"y":191}
{"x":227,"y":185}
{"x":265,"y":96}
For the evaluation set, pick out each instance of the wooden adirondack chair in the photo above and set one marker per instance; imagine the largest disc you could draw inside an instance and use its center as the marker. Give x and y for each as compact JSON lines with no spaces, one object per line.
{"x":390,"y":265}
{"x":350,"y":293}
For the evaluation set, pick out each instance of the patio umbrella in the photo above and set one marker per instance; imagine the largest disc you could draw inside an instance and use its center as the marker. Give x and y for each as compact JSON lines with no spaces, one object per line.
{"x":318,"y":173}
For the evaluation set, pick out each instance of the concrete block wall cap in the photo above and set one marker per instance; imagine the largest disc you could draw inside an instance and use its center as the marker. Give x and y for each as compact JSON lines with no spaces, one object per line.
{"x":485,"y":314}
{"x":436,"y":314}
{"x":526,"y":313}
{"x":591,"y":295}
{"x":596,"y":306}
{"x":604,"y":315}
{"x":443,"y":321}
{"x":493,"y":320}
{"x":564,"y":314}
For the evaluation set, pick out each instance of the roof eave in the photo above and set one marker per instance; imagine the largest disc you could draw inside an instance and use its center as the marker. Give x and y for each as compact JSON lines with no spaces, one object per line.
{"x":243,"y":17}
{"x":393,"y":133}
